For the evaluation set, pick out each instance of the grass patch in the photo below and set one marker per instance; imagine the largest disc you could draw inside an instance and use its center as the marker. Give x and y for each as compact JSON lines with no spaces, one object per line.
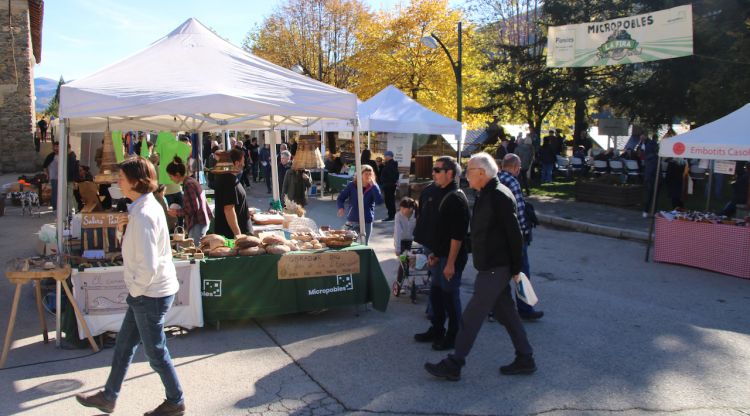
{"x":559,"y":188}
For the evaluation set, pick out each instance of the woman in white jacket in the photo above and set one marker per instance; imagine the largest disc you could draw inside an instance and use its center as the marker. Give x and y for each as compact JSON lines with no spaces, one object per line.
{"x":152,"y":283}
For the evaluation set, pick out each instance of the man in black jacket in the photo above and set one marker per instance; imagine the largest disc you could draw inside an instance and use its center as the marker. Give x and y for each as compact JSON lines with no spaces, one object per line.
{"x":497,"y":244}
{"x":442,"y":225}
{"x":388,"y":182}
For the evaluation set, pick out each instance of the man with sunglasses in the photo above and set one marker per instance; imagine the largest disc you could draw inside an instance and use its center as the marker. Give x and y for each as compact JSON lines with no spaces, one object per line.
{"x":497,"y":244}
{"x":442,"y":226}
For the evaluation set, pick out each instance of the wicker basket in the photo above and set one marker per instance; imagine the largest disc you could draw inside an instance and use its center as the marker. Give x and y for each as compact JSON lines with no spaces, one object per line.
{"x":308,"y":153}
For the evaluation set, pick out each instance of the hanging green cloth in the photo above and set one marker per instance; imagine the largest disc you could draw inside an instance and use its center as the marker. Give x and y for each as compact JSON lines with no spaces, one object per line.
{"x":117,"y":145}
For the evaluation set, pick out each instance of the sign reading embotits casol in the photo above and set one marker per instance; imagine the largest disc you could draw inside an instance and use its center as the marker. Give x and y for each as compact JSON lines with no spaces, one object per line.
{"x":646,"y":37}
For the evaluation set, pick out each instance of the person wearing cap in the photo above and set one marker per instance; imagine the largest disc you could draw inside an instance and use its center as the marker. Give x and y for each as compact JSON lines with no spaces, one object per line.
{"x":232,"y":216}
{"x":388,"y":182}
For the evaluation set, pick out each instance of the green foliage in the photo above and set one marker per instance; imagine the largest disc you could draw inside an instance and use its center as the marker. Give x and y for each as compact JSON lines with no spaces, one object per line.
{"x":54,"y":104}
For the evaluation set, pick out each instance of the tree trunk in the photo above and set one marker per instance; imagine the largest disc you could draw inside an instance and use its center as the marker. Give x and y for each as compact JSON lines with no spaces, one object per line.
{"x":580,"y":124}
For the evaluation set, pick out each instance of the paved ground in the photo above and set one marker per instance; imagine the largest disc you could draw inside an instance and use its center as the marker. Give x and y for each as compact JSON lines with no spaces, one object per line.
{"x":620,"y":336}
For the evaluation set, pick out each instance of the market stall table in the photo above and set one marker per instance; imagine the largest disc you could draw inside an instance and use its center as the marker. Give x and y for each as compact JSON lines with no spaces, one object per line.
{"x":236,"y":288}
{"x":717,"y":247}
{"x":100,"y":293}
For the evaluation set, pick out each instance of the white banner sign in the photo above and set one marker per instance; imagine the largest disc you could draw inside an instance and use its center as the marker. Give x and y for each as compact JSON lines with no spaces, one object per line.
{"x":400,"y":144}
{"x":101,"y":292}
{"x":646,"y":37}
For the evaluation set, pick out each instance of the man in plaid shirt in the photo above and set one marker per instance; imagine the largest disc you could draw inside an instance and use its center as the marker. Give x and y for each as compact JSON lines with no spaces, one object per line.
{"x":511,"y":167}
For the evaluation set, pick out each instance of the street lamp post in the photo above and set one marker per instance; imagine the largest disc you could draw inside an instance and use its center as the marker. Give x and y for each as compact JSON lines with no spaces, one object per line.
{"x":433,"y":42}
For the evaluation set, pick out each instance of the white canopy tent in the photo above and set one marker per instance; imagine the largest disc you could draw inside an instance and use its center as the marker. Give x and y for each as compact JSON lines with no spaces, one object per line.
{"x":724,"y":139}
{"x":193,"y":80}
{"x":392,"y":111}
{"x":727,"y":138}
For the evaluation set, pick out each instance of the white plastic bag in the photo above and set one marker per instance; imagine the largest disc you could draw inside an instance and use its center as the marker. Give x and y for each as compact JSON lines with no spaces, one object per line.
{"x":525,"y":291}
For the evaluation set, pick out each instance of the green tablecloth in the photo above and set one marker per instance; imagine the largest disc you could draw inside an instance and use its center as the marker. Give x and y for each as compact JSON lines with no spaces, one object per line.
{"x":236,"y":288}
{"x":337,"y":184}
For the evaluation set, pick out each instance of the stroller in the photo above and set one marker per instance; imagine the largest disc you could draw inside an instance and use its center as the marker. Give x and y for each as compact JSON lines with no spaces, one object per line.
{"x":413,"y":274}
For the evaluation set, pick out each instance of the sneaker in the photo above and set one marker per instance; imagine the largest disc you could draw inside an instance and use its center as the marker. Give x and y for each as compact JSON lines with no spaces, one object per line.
{"x":431,"y":335}
{"x":97,"y":401}
{"x":446,"y":343}
{"x":387,"y":219}
{"x":447,"y":369}
{"x":167,"y":408}
{"x":523,"y":364}
{"x":531,"y":316}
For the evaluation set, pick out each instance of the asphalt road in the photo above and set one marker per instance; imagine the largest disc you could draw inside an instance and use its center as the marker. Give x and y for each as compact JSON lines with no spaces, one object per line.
{"x":619,"y":336}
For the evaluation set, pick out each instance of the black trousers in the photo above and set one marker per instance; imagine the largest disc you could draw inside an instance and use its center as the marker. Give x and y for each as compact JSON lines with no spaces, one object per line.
{"x":389,"y":194}
{"x":491,"y":293}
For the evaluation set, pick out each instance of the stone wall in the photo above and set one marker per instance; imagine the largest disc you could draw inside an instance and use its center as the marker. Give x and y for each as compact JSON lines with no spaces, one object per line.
{"x":16,"y":91}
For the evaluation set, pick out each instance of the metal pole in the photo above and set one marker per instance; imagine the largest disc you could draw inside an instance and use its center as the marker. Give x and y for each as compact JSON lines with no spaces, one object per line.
{"x":459,"y":91}
{"x":323,"y":153}
{"x":358,"y":175}
{"x":62,"y":191}
{"x":274,"y":166}
{"x":710,"y":183}
{"x":653,"y":209}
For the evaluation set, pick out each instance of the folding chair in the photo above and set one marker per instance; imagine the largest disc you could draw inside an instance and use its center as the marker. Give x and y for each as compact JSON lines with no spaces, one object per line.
{"x":600,"y":167}
{"x":616,"y":167}
{"x":563,"y":165}
{"x":632,"y":169}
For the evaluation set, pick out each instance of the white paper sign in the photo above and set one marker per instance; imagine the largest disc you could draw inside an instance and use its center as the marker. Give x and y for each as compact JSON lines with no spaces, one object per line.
{"x":400,"y":144}
{"x":724,"y":166}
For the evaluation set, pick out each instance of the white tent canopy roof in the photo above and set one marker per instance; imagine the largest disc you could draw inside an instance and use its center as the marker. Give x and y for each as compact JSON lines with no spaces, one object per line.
{"x":392,"y":111}
{"x":194,"y":79}
{"x":724,"y":139}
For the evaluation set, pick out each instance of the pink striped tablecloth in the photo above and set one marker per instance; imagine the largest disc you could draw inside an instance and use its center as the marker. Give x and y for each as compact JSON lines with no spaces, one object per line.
{"x":718,"y":247}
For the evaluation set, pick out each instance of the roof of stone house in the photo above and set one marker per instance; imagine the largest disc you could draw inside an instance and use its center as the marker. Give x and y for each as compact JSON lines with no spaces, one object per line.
{"x":36,"y":15}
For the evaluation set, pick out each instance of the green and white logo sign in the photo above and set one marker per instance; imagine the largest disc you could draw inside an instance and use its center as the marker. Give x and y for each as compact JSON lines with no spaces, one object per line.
{"x":648,"y":37}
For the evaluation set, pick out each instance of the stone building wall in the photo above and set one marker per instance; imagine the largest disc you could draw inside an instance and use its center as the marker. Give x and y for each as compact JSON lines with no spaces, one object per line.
{"x":17,"y":116}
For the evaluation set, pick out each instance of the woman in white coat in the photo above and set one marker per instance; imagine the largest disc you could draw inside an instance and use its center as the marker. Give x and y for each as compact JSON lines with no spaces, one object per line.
{"x":152,"y":283}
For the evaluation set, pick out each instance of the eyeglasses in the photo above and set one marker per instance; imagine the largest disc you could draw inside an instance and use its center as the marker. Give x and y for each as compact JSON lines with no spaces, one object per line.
{"x":438,"y":170}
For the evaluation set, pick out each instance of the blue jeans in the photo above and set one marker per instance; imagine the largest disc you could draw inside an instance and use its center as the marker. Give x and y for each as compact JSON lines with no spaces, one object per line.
{"x":523,"y":307}
{"x":445,"y":297}
{"x":368,"y":229}
{"x":547,"y":172}
{"x":144,"y":322}
{"x":53,"y":185}
{"x":197,"y":231}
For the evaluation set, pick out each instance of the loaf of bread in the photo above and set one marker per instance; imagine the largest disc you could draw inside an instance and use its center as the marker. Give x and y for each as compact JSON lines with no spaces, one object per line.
{"x":251,"y":251}
{"x":278,"y":249}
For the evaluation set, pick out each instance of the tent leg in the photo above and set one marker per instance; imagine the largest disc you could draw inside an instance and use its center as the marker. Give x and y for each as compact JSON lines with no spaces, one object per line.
{"x":358,"y":177}
{"x":652,"y":209}
{"x":710,"y":184}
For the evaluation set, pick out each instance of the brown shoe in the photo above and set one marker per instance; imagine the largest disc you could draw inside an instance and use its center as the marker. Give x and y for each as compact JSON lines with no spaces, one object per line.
{"x":167,"y":408}
{"x":97,"y":401}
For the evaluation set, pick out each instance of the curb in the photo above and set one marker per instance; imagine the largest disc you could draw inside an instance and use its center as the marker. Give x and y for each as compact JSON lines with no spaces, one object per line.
{"x":587,"y":227}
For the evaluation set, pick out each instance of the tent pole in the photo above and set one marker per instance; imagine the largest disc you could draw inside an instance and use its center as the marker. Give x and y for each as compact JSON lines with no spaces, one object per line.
{"x":652,"y":209}
{"x":358,"y":175}
{"x":62,"y":188}
{"x":710,"y":183}
{"x":323,"y":154}
{"x":274,"y":165}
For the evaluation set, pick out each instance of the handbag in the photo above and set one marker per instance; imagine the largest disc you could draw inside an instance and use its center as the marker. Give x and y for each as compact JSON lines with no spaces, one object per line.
{"x":525,"y":291}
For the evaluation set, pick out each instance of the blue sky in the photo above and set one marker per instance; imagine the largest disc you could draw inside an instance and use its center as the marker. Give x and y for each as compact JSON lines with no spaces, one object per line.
{"x":81,"y":36}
